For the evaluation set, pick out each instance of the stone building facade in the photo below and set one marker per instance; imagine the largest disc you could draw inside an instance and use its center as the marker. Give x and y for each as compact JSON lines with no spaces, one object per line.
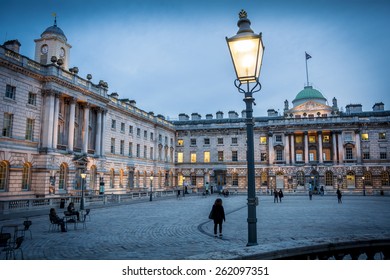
{"x":56,"y":125}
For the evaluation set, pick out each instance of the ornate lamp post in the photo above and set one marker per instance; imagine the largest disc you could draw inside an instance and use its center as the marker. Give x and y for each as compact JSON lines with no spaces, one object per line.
{"x":151,"y":187}
{"x":83,"y":176}
{"x":246,"y":50}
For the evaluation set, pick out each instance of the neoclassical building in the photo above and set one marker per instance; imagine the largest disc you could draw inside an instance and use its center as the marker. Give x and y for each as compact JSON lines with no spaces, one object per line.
{"x":56,"y":125}
{"x":312,"y":143}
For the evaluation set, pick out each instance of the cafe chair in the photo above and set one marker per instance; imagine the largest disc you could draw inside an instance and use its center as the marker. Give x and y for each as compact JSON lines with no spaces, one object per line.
{"x":27,"y":224}
{"x":87,"y":211}
{"x":4,"y":239}
{"x":53,"y":225}
{"x":13,"y":247}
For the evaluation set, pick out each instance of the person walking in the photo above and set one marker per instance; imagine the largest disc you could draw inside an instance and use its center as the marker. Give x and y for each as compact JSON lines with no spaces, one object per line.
{"x":339,"y":195}
{"x":276,"y":196}
{"x":280,"y":194}
{"x":217,"y":214}
{"x":310,"y":194}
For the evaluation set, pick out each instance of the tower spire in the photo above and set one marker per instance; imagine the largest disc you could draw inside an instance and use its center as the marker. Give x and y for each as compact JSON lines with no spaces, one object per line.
{"x":308,"y":56}
{"x":55,"y":18}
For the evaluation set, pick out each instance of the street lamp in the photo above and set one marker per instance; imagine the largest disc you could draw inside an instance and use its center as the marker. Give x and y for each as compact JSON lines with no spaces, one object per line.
{"x":83,"y":176}
{"x":184,"y":185}
{"x":246,"y":50}
{"x":151,"y":187}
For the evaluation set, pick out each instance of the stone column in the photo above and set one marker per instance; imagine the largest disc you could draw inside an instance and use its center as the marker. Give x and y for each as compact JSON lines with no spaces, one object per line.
{"x":320,"y":158}
{"x":287,"y":148}
{"x":85,"y":128}
{"x":72,"y":112}
{"x":270,"y":149}
{"x":292,"y":149}
{"x":334,"y":145}
{"x":55,"y":125}
{"x":98,"y":133}
{"x":358,"y":147}
{"x":104,"y":118}
{"x":340,"y":148}
{"x":48,"y":121}
{"x":306,"y":147}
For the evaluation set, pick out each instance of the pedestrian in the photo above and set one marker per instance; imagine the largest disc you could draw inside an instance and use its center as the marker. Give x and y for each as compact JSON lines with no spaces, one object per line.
{"x":280,"y":194}
{"x":310,"y":194}
{"x":364,"y":190}
{"x":339,"y":195}
{"x":178,"y":193}
{"x":322,"y":190}
{"x":217,"y":214}
{"x":56,"y":220}
{"x":276,"y":196}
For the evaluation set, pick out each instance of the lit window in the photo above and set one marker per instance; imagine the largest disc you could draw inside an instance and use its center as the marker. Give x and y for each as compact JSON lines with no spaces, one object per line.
{"x":180,"y":142}
{"x":382,"y":136}
{"x":220,"y":155}
{"x":312,"y":138}
{"x":193,"y":157}
{"x":180,"y":157}
{"x":206,"y":156}
{"x":298,"y":139}
{"x":263,"y":140}
{"x":364,"y":136}
{"x":325,"y":139}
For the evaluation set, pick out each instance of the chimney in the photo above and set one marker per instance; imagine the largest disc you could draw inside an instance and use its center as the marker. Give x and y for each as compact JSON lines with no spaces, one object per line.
{"x":209,"y":116}
{"x":13,"y":45}
{"x":378,"y":107}
{"x":233,"y":115}
{"x":219,"y":115}
{"x":183,"y":117}
{"x":195,"y":116}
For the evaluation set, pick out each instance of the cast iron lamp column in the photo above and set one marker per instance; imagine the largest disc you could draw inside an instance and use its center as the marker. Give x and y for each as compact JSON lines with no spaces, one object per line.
{"x":151,"y":188}
{"x":83,"y":176}
{"x":246,"y":50}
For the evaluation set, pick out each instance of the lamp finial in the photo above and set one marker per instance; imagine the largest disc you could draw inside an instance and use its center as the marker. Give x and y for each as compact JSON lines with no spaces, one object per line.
{"x":242,"y":14}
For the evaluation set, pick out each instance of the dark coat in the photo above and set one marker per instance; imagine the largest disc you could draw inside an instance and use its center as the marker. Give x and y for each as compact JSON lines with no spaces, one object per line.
{"x":218,"y":213}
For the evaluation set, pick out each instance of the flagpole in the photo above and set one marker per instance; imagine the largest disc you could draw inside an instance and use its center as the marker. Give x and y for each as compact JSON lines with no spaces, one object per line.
{"x":307,"y":72}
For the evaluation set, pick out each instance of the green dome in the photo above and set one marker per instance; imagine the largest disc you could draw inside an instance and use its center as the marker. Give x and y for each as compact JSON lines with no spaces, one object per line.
{"x":309,"y":93}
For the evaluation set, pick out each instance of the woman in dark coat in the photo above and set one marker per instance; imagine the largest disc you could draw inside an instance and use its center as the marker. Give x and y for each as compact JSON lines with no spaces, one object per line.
{"x":218,"y":215}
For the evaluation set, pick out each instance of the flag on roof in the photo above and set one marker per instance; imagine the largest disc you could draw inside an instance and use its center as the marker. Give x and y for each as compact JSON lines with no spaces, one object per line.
{"x":308,"y":56}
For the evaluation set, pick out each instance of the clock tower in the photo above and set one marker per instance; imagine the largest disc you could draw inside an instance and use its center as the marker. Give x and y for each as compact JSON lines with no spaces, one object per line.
{"x":53,"y":42}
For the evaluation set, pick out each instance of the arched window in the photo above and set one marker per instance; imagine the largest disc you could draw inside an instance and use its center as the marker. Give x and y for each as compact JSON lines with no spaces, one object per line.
{"x":63,"y":177}
{"x":112,"y":178}
{"x":328,"y":178}
{"x":300,"y":178}
{"x":26,"y":177}
{"x":367,"y":181}
{"x":264,"y":179}
{"x":385,"y":178}
{"x":4,"y":173}
{"x":93,"y":177}
{"x":144,"y":182}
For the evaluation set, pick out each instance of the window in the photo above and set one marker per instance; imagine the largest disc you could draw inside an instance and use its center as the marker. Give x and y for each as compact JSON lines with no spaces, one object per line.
{"x":299,"y":156}
{"x":151,"y":152}
{"x":30,"y":129}
{"x":180,"y":142}
{"x":235,"y":179}
{"x":26,"y":177}
{"x":138,"y":151}
{"x":4,"y":171}
{"x":130,"y":149}
{"x":220,"y":141}
{"x":367,"y":179}
{"x":145,"y":151}
{"x":385,"y":178}
{"x":123,"y":127}
{"x":159,"y":138}
{"x":312,"y":155}
{"x":263,"y":156}
{"x":206,"y":156}
{"x":325,"y":139}
{"x":193,"y":157}
{"x":383,"y":153}
{"x":93,"y":177}
{"x":366,"y":155}
{"x":113,"y":124}
{"x":145,"y":134}
{"x":121,"y":176}
{"x":326,"y":154}
{"x":298,"y":139}
{"x":122,"y":147}
{"x":365,"y":137}
{"x":166,"y":140}
{"x":32,"y":99}
{"x":138,"y":132}
{"x":207,"y":141}
{"x":193,"y":180}
{"x":7,"y":124}
{"x":112,"y":145}
{"x":234,"y":156}
{"x":10,"y":92}
{"x":220,"y":155}
{"x":300,"y":178}
{"x":234,"y":141}
{"x":348,"y":153}
{"x":151,"y":136}
{"x":180,"y":157}
{"x":279,"y":155}
{"x":112,"y":178}
{"x":130,"y":129}
{"x":312,"y":139}
{"x":278,"y":138}
{"x":382,"y":136}
{"x":263,"y":140}
{"x":63,"y":177}
{"x":193,"y":142}
{"x":328,"y":178}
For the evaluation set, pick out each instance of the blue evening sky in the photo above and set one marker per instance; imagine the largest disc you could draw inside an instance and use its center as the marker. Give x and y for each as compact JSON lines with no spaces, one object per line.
{"x":171,"y":56}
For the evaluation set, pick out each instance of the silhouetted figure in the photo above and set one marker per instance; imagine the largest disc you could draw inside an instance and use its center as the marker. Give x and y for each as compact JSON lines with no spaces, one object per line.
{"x":218,"y":215}
{"x":339,"y":195}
